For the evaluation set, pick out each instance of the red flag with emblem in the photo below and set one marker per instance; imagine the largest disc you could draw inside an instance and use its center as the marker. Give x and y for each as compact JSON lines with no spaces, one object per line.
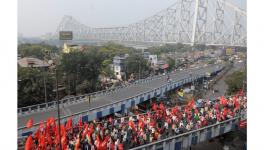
{"x":29,"y":123}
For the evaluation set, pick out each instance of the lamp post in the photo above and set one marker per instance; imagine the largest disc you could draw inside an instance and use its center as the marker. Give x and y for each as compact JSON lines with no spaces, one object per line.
{"x":57,"y":99}
{"x":58,"y":106}
{"x":44,"y":79}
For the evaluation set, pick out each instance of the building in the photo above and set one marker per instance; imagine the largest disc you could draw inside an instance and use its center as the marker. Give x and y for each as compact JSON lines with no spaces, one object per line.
{"x":153,"y":60}
{"x":32,"y":62}
{"x":67,"y":48}
{"x":146,"y":55}
{"x":230,"y":51}
{"x":119,"y":66}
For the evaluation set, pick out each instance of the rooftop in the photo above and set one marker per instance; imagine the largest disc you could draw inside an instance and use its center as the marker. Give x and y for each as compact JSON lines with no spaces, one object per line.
{"x":32,"y":62}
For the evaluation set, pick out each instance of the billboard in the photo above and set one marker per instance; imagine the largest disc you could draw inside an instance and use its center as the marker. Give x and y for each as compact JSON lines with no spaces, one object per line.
{"x":65,"y":35}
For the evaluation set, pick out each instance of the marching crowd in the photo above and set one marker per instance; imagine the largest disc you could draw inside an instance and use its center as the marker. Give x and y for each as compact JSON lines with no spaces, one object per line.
{"x":118,"y":134}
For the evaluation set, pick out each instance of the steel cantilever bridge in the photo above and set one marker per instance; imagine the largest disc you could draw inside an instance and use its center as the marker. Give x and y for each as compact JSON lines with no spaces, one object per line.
{"x":209,"y":22}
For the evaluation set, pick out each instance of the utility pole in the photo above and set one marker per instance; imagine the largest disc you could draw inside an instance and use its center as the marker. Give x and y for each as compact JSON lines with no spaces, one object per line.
{"x":58,"y":106}
{"x":44,"y":80}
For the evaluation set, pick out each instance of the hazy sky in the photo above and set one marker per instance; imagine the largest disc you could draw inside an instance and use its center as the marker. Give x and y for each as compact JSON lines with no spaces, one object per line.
{"x":37,"y":17}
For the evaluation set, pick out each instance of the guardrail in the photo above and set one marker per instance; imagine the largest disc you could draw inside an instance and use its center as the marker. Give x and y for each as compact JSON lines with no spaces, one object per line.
{"x":113,"y":103}
{"x":77,"y":99}
{"x":185,"y":137}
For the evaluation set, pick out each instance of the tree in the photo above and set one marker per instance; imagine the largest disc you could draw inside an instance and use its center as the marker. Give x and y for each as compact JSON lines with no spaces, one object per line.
{"x":136,"y":64}
{"x":171,"y":63}
{"x":81,"y":66}
{"x":35,"y":50}
{"x":31,"y":86}
{"x":235,"y":81}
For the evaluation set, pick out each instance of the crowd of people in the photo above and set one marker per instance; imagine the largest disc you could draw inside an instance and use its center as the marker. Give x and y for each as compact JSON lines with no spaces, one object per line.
{"x":118,"y":134}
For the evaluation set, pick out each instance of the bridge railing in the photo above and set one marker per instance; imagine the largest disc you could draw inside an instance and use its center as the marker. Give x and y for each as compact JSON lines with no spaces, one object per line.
{"x":190,"y":138}
{"x":63,"y":119}
{"x":83,"y":113}
{"x":77,"y":99}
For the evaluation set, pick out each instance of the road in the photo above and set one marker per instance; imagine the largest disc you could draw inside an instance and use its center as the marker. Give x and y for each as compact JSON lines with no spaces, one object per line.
{"x":108,"y":99}
{"x":220,"y":84}
{"x":230,"y":138}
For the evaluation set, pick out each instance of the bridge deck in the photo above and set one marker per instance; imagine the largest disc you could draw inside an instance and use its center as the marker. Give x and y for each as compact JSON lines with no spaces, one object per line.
{"x":100,"y":100}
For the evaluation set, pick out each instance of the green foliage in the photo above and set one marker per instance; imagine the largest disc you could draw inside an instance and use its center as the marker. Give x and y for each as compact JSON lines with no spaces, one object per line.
{"x":81,"y":66}
{"x":171,"y":63}
{"x":35,"y":50}
{"x":179,"y":47}
{"x":235,"y":81}
{"x":136,"y":63}
{"x":31,"y":86}
{"x":78,"y":71}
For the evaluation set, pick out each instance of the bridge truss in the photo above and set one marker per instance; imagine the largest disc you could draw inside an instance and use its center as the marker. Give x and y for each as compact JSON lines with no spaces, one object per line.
{"x":209,"y":22}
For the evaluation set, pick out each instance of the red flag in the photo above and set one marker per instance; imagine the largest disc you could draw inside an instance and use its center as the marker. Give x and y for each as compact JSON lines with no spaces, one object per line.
{"x":36,"y":134}
{"x":85,"y":131}
{"x":49,"y":139}
{"x":69,"y":124}
{"x":91,"y":129}
{"x":42,"y":142}
{"x":64,"y":142}
{"x":162,"y":107}
{"x":120,"y":146}
{"x":191,"y":104}
{"x":62,"y":129}
{"x":29,"y":123}
{"x":29,"y":143}
{"x":140,"y":123}
{"x":236,"y":103}
{"x":80,"y":124}
{"x":77,"y":144}
{"x":110,"y":119}
{"x":241,"y":93}
{"x":174,"y":110}
{"x":103,"y":145}
{"x":152,"y":124}
{"x":41,"y":126}
{"x":131,"y":124}
{"x":223,"y":101}
{"x":154,"y":106}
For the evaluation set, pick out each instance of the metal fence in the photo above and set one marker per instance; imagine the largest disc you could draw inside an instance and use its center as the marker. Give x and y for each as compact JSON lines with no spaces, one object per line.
{"x":77,"y":99}
{"x":76,"y":116}
{"x":194,"y":137}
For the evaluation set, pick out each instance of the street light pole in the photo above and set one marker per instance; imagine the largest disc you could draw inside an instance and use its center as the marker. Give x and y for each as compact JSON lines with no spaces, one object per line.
{"x":45,"y":89}
{"x":58,"y":106}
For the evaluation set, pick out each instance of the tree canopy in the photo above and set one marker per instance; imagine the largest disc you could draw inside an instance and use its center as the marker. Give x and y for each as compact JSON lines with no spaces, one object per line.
{"x":31,"y":86}
{"x":235,"y":81}
{"x":35,"y":50}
